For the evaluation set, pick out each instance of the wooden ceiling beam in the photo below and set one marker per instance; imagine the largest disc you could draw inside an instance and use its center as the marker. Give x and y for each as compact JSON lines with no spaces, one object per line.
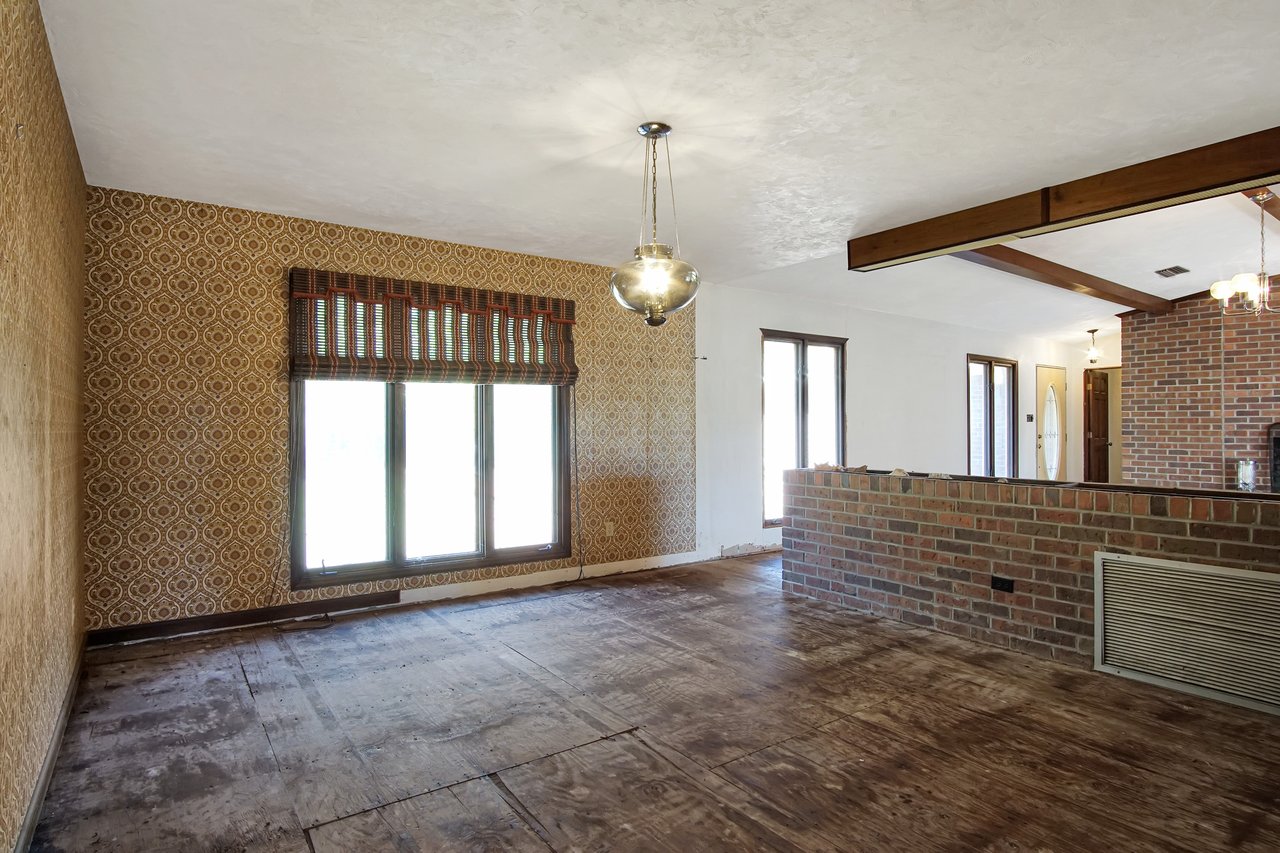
{"x":942,"y":235}
{"x":1236,"y":164}
{"x":1021,"y":264}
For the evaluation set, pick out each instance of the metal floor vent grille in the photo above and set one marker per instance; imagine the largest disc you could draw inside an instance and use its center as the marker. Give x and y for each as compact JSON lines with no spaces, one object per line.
{"x":1209,"y":630}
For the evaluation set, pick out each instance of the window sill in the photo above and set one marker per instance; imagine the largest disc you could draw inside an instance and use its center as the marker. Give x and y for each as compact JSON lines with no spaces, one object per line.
{"x":775,"y":522}
{"x":312,"y":579}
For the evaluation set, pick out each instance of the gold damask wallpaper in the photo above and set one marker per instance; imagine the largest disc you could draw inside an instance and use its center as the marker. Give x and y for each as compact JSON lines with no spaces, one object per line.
{"x":41,"y":292}
{"x":186,"y":410}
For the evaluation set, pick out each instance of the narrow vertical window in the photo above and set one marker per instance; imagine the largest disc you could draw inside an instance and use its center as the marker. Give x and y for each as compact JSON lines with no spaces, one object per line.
{"x":993,"y":402}
{"x":524,"y":465}
{"x":803,"y":409}
{"x":441,"y":479}
{"x":781,"y":421}
{"x":345,"y":490}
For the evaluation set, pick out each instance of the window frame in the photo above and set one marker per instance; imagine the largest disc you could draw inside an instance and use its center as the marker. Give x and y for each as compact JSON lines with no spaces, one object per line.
{"x":991,"y":362}
{"x":398,"y":566}
{"x":802,"y":400}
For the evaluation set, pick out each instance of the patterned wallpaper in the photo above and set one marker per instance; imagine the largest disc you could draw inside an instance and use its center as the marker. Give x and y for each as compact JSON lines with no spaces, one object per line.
{"x":41,"y":287}
{"x":186,"y":410}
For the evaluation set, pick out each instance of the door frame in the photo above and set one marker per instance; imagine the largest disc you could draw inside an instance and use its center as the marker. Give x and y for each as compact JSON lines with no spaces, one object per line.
{"x":1062,"y":425}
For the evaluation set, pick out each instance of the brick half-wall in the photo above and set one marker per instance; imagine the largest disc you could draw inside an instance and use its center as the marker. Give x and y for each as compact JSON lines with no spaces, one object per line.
{"x":1198,"y":391}
{"x":924,"y":551}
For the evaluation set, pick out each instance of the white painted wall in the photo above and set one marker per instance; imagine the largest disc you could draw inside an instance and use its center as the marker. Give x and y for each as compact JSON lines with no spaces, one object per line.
{"x":906,"y":402}
{"x":1076,"y":355}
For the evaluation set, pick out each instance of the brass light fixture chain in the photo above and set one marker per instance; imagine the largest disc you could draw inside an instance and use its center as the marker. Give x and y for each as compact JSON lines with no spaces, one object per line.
{"x":644,"y":197}
{"x":1262,"y":232}
{"x":1264,"y":283}
{"x":653,"y":149}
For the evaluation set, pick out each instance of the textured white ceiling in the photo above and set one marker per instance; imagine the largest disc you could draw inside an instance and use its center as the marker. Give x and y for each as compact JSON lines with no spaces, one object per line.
{"x":946,"y":290}
{"x":510,"y":124}
{"x":1215,"y":238}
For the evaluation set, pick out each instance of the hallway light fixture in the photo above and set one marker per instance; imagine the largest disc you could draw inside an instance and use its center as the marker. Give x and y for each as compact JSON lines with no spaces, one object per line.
{"x":1251,"y":291}
{"x":1093,"y":353}
{"x":656,"y":282}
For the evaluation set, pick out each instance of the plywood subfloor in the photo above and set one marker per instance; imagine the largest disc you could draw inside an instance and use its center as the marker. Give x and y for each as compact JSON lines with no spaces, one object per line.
{"x":687,"y":709}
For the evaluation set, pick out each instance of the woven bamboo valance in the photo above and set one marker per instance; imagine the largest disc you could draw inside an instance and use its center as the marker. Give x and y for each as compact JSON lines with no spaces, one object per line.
{"x":346,"y":326}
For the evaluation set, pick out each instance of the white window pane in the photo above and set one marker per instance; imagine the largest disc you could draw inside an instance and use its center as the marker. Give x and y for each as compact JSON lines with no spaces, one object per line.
{"x":523,"y":465}
{"x":781,"y":420}
{"x":439,"y":469}
{"x":345,"y":492}
{"x":1052,"y":433}
{"x":823,"y":365}
{"x":978,"y":418}
{"x":1002,"y":419}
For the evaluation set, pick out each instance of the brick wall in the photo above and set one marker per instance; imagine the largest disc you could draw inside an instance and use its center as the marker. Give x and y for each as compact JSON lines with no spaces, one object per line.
{"x":1198,"y":392}
{"x":923,"y":551}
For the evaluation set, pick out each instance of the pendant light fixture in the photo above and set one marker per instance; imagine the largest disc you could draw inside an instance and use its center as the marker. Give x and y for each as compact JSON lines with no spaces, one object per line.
{"x":656,"y":282}
{"x":1251,"y":292}
{"x":1094,"y":353}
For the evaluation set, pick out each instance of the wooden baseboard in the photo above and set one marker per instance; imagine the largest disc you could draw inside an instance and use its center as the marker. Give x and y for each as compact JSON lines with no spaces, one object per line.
{"x":238,"y":619}
{"x":27,"y":829}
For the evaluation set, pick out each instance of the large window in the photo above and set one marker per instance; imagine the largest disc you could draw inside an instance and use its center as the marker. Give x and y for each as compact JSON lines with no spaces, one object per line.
{"x":428,"y":426}
{"x":399,"y":478}
{"x":803,"y":408}
{"x":993,"y":401}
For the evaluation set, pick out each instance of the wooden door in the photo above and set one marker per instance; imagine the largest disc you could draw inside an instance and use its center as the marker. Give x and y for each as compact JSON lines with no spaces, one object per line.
{"x":1097,"y":426}
{"x":1051,"y":422}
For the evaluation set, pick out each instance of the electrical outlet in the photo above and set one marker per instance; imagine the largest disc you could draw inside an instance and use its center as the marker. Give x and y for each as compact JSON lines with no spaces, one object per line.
{"x":1000,"y":584}
{"x":608,"y":528}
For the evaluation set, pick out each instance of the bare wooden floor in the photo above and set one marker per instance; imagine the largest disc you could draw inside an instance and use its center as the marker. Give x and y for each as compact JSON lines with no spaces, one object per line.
{"x":687,"y":709}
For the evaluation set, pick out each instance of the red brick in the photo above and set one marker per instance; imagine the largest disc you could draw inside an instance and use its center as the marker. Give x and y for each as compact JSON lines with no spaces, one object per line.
{"x":940,"y":572}
{"x":1033,"y":617}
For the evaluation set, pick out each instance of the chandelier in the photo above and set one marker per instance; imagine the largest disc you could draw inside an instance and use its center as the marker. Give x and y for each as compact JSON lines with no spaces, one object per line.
{"x":1247,"y":292}
{"x":656,"y":282}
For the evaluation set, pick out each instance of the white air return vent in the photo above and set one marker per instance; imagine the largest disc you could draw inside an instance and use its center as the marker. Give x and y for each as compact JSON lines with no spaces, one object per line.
{"x":1208,"y":630}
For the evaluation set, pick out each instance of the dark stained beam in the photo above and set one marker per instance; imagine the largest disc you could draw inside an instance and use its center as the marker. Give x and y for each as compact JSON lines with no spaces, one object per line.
{"x":1047,"y":272}
{"x":1200,"y":172}
{"x":939,"y":234}
{"x":1217,"y":169}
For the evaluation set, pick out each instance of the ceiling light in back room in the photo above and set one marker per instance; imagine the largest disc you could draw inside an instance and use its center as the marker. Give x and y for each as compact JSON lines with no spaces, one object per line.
{"x":1249,"y":292}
